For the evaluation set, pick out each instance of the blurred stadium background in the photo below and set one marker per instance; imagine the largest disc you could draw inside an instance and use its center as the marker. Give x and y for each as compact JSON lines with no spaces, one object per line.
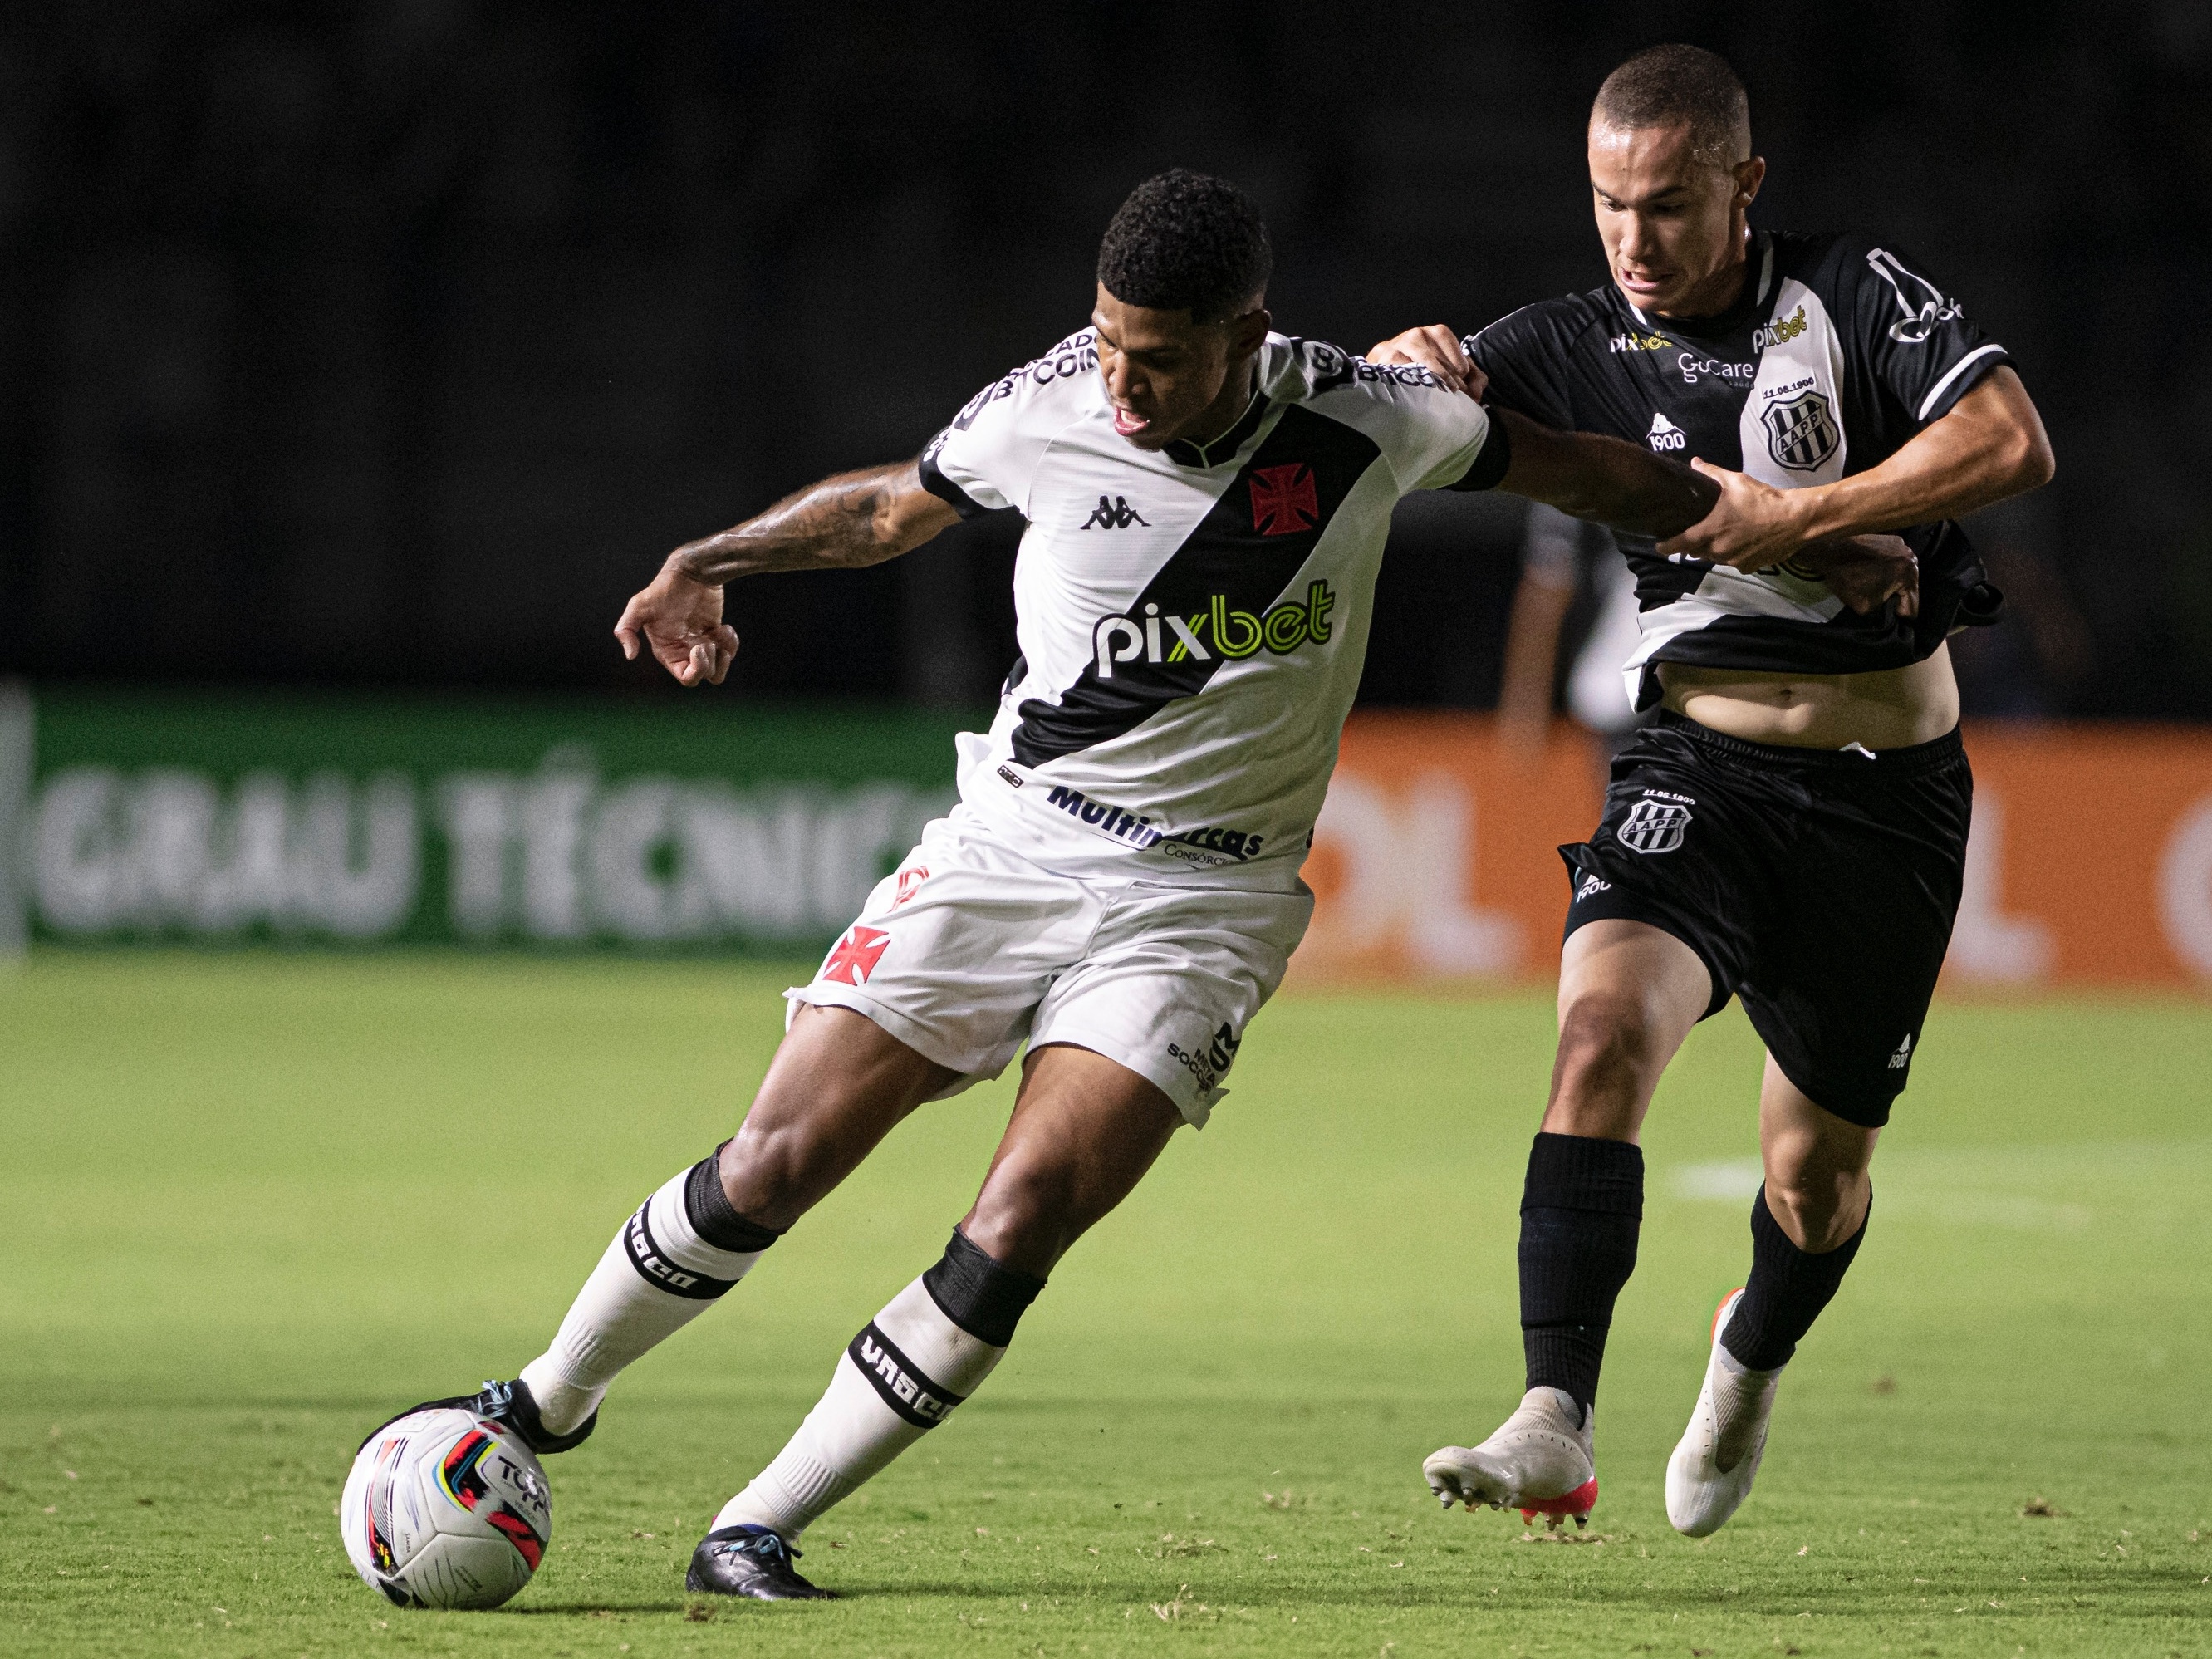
{"x":364,"y":358}
{"x":361,"y":359}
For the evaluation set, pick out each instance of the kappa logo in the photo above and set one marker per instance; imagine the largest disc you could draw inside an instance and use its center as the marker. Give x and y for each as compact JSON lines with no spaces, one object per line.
{"x":919,"y":1399}
{"x":1903,"y":1057}
{"x":1284,"y":500}
{"x":1653,"y":826}
{"x":1801,"y":433}
{"x":856,"y":954}
{"x":1664,"y":434}
{"x":1592,"y":886}
{"x":1115,"y":514}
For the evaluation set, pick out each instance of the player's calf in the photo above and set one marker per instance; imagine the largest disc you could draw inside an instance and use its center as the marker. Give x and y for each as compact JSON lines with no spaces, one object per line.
{"x":683,"y":1249}
{"x":913,"y":1363}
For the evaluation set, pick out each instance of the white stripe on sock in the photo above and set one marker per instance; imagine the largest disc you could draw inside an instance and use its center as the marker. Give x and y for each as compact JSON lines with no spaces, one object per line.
{"x":851,"y":1434}
{"x":618,"y":1316}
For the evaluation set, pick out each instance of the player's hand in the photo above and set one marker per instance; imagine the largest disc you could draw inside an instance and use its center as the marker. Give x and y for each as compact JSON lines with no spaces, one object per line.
{"x":680,"y":621}
{"x":1865,"y":572}
{"x":1437,"y":349}
{"x":1751,"y":526}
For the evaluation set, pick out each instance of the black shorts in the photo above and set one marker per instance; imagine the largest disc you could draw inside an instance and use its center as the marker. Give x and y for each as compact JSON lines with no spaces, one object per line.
{"x":1819,"y":885}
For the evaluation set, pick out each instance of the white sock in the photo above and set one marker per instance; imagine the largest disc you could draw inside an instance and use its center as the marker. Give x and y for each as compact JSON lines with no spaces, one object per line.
{"x":655,"y":1277}
{"x":901,"y":1376}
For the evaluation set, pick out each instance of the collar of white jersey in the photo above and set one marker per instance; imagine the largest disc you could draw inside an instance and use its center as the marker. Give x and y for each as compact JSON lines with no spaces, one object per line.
{"x":1285,"y":370}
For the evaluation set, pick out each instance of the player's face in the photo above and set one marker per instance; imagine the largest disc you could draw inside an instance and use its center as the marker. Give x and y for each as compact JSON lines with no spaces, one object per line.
{"x":1169,"y":377}
{"x":1673,"y":225}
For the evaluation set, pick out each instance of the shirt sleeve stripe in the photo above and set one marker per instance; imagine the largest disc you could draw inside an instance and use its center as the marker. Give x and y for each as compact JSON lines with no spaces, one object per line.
{"x":1958,"y":369}
{"x":934,"y":481}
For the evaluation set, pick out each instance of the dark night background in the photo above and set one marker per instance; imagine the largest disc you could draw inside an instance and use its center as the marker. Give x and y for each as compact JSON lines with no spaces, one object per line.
{"x":393,"y":345}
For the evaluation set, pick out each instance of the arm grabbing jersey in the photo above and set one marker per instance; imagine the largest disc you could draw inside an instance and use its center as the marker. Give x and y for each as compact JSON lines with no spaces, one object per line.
{"x":1193,"y":620}
{"x":1841,"y":351}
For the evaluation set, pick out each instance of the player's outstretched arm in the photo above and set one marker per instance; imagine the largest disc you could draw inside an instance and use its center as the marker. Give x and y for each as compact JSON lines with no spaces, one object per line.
{"x":1988,"y":445}
{"x":842,"y":523}
{"x":1610,"y":481}
{"x":1625,"y":486}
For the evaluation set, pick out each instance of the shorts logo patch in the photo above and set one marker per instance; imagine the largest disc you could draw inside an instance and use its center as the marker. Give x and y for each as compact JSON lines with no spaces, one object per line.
{"x":1211,"y":1063}
{"x":1591,"y":886}
{"x":1903,"y":1057}
{"x":1653,"y":826}
{"x":856,"y":956}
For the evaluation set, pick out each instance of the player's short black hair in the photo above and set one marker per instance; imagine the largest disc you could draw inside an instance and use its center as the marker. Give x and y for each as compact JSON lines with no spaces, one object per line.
{"x":1185,"y":241}
{"x":1670,"y":85}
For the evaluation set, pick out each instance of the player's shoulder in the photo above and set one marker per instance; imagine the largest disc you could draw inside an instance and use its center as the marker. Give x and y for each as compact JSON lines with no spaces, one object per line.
{"x":1297,"y":370}
{"x":1050,"y":386}
{"x":1555,"y":327}
{"x":1839,"y":264}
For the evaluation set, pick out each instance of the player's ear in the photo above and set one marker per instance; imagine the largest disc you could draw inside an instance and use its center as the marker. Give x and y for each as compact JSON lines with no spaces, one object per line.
{"x":1247,"y":333}
{"x":1749,"y":175}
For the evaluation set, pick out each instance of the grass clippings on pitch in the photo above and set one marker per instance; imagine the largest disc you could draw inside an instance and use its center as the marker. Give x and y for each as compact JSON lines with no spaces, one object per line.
{"x":249,"y":1206}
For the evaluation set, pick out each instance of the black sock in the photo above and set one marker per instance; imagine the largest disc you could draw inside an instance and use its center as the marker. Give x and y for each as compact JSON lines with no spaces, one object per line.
{"x":1580,"y":1212}
{"x":984,"y":1297}
{"x":1786,"y":1292}
{"x":713,"y":1217}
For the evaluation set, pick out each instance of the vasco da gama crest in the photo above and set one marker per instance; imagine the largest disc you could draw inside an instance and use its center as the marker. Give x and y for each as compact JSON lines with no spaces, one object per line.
{"x":1801,"y":432}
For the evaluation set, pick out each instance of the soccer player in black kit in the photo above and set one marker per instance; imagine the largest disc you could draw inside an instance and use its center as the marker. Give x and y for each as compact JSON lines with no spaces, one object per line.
{"x":1792,"y":830}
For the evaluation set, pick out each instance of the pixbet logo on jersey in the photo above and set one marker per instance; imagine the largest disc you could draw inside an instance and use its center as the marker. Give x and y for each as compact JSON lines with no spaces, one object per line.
{"x":1235,"y":634}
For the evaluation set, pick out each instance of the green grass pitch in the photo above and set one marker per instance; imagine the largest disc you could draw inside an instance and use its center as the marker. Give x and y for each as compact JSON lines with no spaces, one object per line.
{"x":248,"y":1205}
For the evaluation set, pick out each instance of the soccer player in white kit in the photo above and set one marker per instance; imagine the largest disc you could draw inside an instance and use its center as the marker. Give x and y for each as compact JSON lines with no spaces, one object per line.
{"x":1118,"y":887}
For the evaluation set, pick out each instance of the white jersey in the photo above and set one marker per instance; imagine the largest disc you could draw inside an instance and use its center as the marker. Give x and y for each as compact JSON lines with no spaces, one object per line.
{"x":1193,"y":620}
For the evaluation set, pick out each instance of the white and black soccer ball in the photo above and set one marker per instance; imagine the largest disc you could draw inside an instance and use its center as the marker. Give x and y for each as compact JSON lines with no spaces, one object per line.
{"x":444,"y":1509}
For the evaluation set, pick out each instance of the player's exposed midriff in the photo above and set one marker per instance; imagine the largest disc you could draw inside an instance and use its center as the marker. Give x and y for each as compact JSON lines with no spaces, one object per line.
{"x":1890,"y":709}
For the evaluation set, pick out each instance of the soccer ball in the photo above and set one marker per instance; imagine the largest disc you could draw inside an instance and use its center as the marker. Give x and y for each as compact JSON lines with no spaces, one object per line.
{"x":444,"y":1509}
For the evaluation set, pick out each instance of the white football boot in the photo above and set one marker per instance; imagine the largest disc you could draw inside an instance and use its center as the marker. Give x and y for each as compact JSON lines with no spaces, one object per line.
{"x":1717,"y":1458}
{"x":1540,"y":1461}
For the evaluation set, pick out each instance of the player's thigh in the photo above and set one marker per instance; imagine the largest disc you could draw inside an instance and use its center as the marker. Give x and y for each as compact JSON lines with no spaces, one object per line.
{"x":931,"y":989}
{"x":1169,"y":981}
{"x":1629,"y":993}
{"x":955,"y":950}
{"x":838,"y":1084}
{"x":1677,"y":851}
{"x":1084,"y":1130}
{"x":1840,"y":989}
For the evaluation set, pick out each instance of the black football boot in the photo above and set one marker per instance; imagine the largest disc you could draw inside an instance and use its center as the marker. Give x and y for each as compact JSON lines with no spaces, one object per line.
{"x":510,"y":1405}
{"x":750,"y":1561}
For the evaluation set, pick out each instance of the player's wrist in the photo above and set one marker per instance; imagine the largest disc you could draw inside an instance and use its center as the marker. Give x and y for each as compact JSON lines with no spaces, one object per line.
{"x":694,"y":563}
{"x":1816,"y":514}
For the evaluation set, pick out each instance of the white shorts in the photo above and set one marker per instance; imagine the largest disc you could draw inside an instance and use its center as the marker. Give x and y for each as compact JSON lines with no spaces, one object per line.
{"x":969,"y":950}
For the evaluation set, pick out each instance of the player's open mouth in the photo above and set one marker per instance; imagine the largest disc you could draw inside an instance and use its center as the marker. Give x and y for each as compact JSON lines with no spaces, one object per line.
{"x":1127,"y":422}
{"x":1641,"y":283}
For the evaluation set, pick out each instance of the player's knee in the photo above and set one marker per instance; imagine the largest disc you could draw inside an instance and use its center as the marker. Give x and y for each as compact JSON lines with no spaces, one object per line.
{"x":1025,"y":1215}
{"x":764,"y":1174}
{"x":1610,"y":1053}
{"x":1819,"y":1207}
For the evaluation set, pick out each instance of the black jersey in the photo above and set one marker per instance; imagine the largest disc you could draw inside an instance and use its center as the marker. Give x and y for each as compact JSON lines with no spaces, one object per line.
{"x":1838,"y":352}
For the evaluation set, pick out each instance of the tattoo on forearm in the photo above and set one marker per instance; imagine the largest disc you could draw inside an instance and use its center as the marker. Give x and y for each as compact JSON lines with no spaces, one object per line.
{"x":838,"y":524}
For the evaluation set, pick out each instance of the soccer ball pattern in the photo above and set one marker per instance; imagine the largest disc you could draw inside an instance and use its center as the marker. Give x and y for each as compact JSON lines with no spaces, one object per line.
{"x":444,"y":1509}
